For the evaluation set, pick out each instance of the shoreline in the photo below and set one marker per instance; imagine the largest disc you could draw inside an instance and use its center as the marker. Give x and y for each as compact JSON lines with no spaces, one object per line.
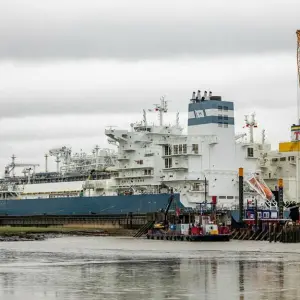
{"x":11,"y":233}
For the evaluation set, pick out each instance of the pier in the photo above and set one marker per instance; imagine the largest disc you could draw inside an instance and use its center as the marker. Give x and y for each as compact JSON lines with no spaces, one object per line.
{"x":124,"y":221}
{"x":289,"y":233}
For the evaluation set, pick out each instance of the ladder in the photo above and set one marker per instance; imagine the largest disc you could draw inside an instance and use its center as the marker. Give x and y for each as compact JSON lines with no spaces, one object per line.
{"x":144,"y":229}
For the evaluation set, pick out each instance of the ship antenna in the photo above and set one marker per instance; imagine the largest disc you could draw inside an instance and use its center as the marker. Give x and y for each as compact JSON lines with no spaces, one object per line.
{"x":263,"y":136}
{"x":251,"y":123}
{"x":161,"y":109}
{"x":13,"y":159}
{"x":145,"y":117}
{"x":177,"y":119}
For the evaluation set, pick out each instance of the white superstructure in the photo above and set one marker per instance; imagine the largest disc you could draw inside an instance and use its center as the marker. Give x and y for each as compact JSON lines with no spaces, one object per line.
{"x":201,"y":165}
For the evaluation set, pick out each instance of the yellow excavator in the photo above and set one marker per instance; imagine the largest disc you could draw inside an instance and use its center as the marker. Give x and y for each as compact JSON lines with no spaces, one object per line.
{"x":164,"y":224}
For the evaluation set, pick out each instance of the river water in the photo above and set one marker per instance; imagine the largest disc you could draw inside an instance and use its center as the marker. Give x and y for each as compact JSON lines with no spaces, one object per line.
{"x":128,"y":269}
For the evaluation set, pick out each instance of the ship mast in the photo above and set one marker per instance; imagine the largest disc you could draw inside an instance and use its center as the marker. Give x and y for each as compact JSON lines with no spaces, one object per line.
{"x":161,"y":109}
{"x":177,"y":120}
{"x":251,"y":123}
{"x":144,"y":118}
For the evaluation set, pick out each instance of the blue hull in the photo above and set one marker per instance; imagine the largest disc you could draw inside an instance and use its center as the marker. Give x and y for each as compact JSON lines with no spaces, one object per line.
{"x":87,"y":205}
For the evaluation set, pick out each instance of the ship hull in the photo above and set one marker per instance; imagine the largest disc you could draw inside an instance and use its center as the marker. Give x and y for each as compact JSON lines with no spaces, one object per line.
{"x":86,"y":205}
{"x":191,"y":238}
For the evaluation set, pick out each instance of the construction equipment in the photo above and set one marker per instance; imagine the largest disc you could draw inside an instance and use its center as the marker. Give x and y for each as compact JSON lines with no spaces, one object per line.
{"x":164,"y":223}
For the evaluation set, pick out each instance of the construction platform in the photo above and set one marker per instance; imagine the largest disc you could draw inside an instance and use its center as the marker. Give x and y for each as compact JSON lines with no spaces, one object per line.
{"x":191,"y":238}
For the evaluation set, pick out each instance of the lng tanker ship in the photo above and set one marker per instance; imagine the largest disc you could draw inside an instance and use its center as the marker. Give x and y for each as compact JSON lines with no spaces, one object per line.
{"x":151,"y":161}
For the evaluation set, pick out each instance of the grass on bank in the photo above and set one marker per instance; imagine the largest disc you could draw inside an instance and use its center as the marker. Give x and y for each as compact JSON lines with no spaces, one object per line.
{"x":80,"y":230}
{"x":14,"y":230}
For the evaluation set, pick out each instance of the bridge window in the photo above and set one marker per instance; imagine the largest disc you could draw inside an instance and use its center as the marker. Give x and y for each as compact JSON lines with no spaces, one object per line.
{"x":196,"y":186}
{"x":168,"y":150}
{"x":168,"y":163}
{"x":180,"y":149}
{"x":225,"y":108}
{"x":282,"y":158}
{"x":184,"y":148}
{"x":195,"y":148}
{"x":147,"y":172}
{"x":250,"y":152}
{"x":175,"y":149}
{"x":220,"y":108}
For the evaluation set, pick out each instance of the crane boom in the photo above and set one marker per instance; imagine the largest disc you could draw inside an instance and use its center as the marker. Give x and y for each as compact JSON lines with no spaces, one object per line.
{"x":298,"y":54}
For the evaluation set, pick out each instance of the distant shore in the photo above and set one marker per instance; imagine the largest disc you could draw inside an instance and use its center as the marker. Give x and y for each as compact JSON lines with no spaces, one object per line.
{"x":13,"y":233}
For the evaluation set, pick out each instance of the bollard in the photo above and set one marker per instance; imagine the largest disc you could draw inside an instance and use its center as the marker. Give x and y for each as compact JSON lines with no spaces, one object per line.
{"x":241,"y":194}
{"x":270,"y":232}
{"x":285,"y":234}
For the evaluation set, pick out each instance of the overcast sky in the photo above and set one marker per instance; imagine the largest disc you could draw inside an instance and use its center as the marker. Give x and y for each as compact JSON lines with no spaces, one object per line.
{"x":69,"y":68}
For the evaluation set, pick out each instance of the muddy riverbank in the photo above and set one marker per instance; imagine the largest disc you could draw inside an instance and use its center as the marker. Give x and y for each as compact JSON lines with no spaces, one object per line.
{"x":43,"y":233}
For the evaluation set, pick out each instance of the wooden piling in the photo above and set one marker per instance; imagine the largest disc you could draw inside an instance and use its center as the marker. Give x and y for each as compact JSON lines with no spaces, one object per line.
{"x":270,"y":232}
{"x":274,"y":232}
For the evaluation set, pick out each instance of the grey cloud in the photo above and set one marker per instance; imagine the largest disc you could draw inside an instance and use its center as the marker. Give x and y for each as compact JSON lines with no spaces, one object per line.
{"x":56,"y":106}
{"x":228,"y":30}
{"x":125,"y":102}
{"x":41,"y":136}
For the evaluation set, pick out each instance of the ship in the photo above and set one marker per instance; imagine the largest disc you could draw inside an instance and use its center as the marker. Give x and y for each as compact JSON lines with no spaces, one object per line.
{"x":152,"y":162}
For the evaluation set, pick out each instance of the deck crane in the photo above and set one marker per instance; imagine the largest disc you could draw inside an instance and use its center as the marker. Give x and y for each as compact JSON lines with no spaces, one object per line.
{"x":298,"y":55}
{"x":58,"y":153}
{"x":11,"y":167}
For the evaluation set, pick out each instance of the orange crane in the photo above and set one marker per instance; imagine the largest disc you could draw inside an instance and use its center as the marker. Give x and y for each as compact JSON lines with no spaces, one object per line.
{"x":298,"y":54}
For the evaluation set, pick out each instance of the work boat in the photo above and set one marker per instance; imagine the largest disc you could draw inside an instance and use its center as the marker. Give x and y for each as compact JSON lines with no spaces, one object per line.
{"x":202,"y":230}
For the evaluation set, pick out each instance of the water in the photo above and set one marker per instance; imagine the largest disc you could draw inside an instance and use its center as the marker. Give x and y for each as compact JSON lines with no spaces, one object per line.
{"x":124,"y":268}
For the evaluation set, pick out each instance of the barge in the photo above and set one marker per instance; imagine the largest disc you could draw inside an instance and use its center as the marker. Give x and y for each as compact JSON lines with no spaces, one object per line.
{"x":202,"y":228}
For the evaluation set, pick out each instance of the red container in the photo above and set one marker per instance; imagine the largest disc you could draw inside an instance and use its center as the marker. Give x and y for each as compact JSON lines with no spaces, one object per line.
{"x":223,"y":230}
{"x":195,"y":231}
{"x":214,"y":200}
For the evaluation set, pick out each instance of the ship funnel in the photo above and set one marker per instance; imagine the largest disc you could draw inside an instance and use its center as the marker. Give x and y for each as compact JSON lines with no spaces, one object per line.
{"x":210,"y":94}
{"x":194,"y":96}
{"x":199,"y":95}
{"x":205,"y":95}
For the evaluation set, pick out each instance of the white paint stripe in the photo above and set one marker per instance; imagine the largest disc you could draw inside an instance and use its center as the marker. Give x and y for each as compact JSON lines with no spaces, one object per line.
{"x":210,"y":112}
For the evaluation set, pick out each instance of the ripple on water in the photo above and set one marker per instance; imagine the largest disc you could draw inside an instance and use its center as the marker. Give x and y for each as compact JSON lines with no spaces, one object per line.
{"x":112,"y":268}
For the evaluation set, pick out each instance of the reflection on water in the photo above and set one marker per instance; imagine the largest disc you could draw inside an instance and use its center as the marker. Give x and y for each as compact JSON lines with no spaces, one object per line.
{"x":111,"y":268}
